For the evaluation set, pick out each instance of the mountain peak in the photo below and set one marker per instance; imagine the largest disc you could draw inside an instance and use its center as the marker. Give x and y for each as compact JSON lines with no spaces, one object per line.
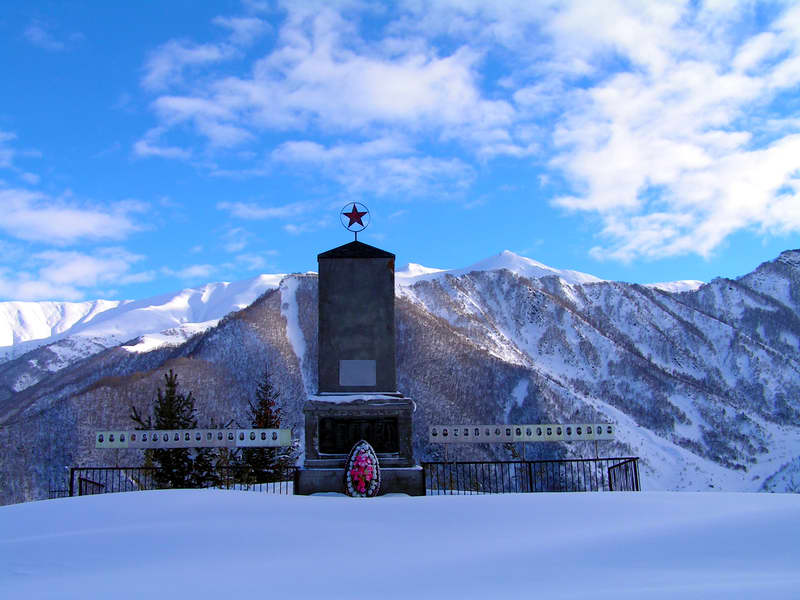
{"x":790,"y":257}
{"x":527,"y":267}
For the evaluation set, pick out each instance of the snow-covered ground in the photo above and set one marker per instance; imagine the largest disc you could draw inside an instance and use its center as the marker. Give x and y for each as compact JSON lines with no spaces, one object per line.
{"x":204,"y":544}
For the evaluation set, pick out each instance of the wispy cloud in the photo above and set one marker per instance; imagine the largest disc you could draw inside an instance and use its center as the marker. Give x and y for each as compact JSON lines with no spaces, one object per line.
{"x":673,"y":155}
{"x":150,"y":145}
{"x":252,"y":210}
{"x":668,"y":121}
{"x":319,"y":57}
{"x":6,"y":151}
{"x":69,"y":275}
{"x":252,"y":262}
{"x":39,"y":34}
{"x":34,"y":216}
{"x":382,"y":167}
{"x":243,"y":30}
{"x":191,"y":272}
{"x":167,"y":64}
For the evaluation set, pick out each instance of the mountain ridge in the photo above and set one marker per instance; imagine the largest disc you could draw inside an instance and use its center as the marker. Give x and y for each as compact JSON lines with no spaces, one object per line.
{"x":703,"y":384}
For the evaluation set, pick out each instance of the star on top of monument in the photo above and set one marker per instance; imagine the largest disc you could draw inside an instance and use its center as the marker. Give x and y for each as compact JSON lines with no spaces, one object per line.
{"x":356,"y":219}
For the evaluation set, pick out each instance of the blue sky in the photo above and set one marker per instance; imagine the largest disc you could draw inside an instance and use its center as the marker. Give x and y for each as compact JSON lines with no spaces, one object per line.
{"x":151,"y":146}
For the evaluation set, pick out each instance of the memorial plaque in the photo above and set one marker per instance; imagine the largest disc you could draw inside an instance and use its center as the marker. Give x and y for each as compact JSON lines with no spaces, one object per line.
{"x":360,"y":373}
{"x":337,"y":435}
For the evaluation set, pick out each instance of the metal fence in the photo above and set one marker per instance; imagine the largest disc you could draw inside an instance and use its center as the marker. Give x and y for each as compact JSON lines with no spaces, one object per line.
{"x":487,"y":477}
{"x":86,"y":481}
{"x":499,"y":477}
{"x":53,"y":493}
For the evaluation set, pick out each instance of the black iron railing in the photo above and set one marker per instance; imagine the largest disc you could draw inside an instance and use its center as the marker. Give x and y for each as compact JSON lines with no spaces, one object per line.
{"x":487,"y":477}
{"x":84,"y":481}
{"x":624,"y":476}
{"x":499,"y":477}
{"x":53,"y":493}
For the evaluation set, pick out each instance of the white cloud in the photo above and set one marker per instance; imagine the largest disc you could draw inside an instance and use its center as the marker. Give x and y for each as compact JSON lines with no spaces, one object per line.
{"x":252,"y":262}
{"x":149,"y":146}
{"x":83,"y":270}
{"x":667,"y":120}
{"x":208,"y":118}
{"x":195,"y":272}
{"x":671,"y":154}
{"x":320,"y":57}
{"x":6,"y":152}
{"x":375,"y":167}
{"x":166,"y":64}
{"x":307,"y":226}
{"x":34,"y":216}
{"x":31,"y":178}
{"x":251,"y":210}
{"x":244,"y":30}
{"x":236,"y":239}
{"x":66,"y":275}
{"x":37,"y":35}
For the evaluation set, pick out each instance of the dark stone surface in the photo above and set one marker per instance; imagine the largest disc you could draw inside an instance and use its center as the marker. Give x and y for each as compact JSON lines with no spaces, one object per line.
{"x":337,"y":434}
{"x":356,"y":316}
{"x":410,"y":480}
{"x":356,"y":346}
{"x":382,"y":409}
{"x":356,"y":250}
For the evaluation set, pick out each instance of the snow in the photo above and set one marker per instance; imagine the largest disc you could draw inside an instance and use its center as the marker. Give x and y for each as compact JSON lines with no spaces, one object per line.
{"x":165,"y":319}
{"x":520,"y":265}
{"x":291,"y":313}
{"x":26,"y":321}
{"x":684,"y":285}
{"x":347,"y":398}
{"x":169,"y":337}
{"x":91,"y":326}
{"x":518,"y":395}
{"x":529,"y":268}
{"x":205,"y":544}
{"x":412,"y":272}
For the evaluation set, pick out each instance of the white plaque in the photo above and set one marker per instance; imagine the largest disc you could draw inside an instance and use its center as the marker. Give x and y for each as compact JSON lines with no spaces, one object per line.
{"x":357,"y":372}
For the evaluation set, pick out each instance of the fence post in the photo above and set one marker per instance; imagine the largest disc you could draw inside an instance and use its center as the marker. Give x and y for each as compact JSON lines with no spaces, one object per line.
{"x":71,"y":480}
{"x":530,"y":477}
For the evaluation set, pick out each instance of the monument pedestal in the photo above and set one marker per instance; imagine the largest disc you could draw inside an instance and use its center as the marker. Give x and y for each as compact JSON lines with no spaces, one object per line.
{"x":335,"y":422}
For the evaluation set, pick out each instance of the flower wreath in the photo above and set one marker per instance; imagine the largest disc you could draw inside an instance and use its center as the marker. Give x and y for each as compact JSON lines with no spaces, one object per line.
{"x":362,"y":473}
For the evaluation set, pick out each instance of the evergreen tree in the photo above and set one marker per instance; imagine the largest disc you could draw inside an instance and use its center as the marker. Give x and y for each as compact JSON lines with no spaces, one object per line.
{"x":179,"y":467}
{"x":265,"y":413}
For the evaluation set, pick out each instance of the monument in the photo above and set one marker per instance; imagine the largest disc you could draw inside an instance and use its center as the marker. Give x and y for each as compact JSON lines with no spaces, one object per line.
{"x":357,"y":397}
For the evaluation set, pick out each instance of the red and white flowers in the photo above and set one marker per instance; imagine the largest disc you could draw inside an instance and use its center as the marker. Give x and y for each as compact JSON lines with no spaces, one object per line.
{"x":362,"y":471}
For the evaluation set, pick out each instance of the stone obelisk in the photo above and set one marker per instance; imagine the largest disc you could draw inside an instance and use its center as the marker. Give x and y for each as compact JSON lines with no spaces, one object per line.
{"x":357,"y":397}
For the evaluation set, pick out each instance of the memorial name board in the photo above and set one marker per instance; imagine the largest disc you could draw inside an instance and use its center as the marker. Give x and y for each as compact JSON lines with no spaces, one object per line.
{"x":547,"y":432}
{"x":193,"y":438}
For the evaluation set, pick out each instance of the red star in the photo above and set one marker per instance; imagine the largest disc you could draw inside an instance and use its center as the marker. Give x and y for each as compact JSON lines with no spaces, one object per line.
{"x":355,"y":216}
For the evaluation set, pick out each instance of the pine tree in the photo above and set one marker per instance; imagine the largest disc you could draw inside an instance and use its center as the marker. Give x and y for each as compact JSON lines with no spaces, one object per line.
{"x":179,"y":467}
{"x":265,"y":413}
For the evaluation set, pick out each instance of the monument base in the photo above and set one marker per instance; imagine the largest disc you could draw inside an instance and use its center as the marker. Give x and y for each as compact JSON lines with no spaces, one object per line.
{"x":335,"y":422}
{"x":408,"y":480}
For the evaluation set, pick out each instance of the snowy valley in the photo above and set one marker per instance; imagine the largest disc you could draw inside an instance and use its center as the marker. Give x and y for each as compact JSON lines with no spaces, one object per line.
{"x":702,"y":380}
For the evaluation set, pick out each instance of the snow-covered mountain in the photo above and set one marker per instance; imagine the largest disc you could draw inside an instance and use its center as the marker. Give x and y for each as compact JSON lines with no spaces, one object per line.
{"x":171,"y":318}
{"x":703,"y":384}
{"x":67,"y":332}
{"x":56,"y":335}
{"x":514,"y":263}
